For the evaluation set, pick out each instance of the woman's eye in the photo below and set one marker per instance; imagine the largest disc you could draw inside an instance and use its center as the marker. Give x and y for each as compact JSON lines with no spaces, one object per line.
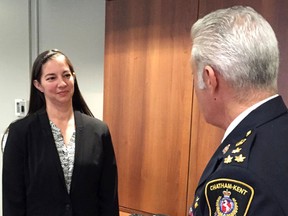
{"x":67,"y":75}
{"x":50,"y":78}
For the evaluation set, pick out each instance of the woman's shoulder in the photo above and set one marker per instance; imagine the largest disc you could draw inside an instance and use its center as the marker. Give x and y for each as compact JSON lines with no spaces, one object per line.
{"x":23,"y":121}
{"x":86,"y":119}
{"x":26,"y":121}
{"x":91,"y":123}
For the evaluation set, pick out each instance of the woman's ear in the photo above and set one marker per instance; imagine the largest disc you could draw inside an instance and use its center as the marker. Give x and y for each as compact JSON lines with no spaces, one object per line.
{"x":38,"y":85}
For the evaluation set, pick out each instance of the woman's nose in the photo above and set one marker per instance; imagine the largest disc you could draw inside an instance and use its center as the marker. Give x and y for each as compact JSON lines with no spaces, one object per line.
{"x":62,"y":83}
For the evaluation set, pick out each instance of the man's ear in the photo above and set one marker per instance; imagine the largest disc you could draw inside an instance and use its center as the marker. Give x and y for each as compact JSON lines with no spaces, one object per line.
{"x":210,"y":78}
{"x":38,"y":85}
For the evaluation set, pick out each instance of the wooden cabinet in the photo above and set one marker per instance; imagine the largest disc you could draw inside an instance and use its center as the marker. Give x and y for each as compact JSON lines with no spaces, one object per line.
{"x":161,"y":140}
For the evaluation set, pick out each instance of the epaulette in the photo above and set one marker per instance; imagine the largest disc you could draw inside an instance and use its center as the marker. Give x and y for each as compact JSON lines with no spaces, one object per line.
{"x":237,"y":153}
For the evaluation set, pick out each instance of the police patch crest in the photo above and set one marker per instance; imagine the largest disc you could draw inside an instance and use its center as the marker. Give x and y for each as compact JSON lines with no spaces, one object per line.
{"x":225,"y":205}
{"x":228,"y":197}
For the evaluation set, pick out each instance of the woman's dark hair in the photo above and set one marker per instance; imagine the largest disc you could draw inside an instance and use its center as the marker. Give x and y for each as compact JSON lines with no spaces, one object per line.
{"x":37,"y":99}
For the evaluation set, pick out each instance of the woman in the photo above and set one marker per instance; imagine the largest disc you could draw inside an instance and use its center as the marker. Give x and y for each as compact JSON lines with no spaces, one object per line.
{"x":59,"y":159}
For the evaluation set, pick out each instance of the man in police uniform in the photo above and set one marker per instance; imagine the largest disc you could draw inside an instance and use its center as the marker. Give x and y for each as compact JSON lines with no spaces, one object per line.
{"x":235,"y":62}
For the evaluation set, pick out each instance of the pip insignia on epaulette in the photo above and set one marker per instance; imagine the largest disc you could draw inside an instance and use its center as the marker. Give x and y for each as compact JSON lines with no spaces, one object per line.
{"x":234,"y":153}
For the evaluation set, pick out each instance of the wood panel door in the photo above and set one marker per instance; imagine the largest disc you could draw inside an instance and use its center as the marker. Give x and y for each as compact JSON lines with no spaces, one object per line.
{"x":148,"y":100}
{"x":205,"y":138}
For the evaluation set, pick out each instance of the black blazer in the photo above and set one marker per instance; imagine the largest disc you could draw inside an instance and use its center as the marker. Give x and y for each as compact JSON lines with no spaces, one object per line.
{"x":33,"y":179}
{"x":248,"y":174}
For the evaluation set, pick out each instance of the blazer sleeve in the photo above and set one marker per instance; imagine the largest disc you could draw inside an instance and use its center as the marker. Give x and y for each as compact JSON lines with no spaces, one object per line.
{"x":109,"y":179}
{"x":13,"y":176}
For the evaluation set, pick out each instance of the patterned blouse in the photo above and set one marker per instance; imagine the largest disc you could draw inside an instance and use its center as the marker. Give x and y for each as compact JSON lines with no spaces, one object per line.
{"x":66,"y":153}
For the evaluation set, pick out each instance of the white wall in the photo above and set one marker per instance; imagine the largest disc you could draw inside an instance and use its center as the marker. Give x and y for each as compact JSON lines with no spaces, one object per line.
{"x":14,"y":57}
{"x":75,"y":27}
{"x":14,"y":60}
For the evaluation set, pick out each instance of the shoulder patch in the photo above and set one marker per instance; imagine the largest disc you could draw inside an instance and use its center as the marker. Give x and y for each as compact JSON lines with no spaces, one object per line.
{"x":228,"y":197}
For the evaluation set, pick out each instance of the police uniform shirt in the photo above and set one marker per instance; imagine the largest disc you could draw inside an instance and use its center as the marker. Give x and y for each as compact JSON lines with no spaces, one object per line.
{"x":248,"y":173}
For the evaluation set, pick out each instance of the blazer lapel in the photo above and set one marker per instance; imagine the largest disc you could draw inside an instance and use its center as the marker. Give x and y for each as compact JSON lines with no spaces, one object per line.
{"x":78,"y":152}
{"x":52,"y":150}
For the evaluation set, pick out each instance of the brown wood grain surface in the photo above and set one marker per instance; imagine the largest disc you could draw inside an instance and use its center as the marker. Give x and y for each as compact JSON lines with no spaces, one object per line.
{"x":148,"y":99}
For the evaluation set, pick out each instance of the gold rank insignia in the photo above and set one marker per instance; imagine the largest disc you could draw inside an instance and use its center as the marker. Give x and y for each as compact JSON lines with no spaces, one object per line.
{"x":228,"y":159}
{"x":239,"y":158}
{"x":237,"y":150}
{"x":196,"y":202}
{"x":241,"y":142}
{"x":248,"y":133}
{"x":226,"y":149}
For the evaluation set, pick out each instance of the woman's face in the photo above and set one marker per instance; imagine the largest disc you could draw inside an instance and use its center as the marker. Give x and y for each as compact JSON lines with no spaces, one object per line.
{"x":56,"y":82}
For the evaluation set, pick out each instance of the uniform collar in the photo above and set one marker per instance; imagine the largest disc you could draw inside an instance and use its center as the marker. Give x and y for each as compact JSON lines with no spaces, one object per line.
{"x":245,"y":113}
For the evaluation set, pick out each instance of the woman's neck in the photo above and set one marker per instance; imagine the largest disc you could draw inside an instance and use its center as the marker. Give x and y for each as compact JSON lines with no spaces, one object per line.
{"x":64,"y":120}
{"x":60,"y":114}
